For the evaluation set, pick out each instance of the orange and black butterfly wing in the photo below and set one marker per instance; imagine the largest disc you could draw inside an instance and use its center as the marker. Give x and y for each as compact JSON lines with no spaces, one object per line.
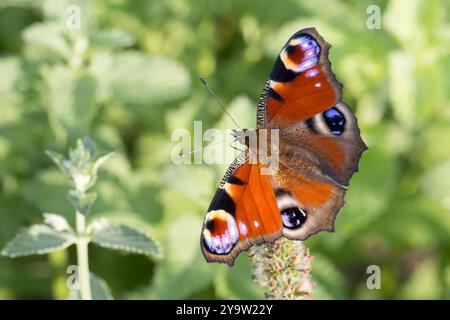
{"x":308,"y":201}
{"x":302,"y":98}
{"x":332,"y":139}
{"x":320,"y":143}
{"x":242,"y":213}
{"x":300,"y":84}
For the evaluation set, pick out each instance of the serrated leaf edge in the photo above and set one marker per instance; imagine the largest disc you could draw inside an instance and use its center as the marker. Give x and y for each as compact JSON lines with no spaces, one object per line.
{"x":109,"y":245}
{"x":64,"y":245}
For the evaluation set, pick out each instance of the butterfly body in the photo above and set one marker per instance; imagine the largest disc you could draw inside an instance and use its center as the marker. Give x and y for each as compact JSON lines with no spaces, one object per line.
{"x":314,"y":135}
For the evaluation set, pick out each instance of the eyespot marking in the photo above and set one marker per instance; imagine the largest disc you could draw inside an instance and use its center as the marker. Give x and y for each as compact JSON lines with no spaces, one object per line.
{"x":302,"y":53}
{"x":335,"y":121}
{"x":293,"y":218}
{"x":220,"y":233}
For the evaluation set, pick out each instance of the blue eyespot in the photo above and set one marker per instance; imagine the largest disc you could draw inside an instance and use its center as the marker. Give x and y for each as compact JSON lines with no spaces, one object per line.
{"x":335,"y":121}
{"x":293,"y":218}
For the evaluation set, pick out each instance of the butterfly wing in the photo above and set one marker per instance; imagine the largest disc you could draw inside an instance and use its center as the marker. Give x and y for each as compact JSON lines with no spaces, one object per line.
{"x":242,"y":213}
{"x":320,"y":143}
{"x":301,"y":83}
{"x":331,"y":138}
{"x":308,"y":202}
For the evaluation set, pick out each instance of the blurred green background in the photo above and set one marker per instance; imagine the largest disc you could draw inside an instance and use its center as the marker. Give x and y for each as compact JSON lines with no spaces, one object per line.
{"x":128,"y":78}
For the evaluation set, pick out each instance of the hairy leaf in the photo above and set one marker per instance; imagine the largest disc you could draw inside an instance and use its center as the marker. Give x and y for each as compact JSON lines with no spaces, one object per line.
{"x":38,"y":239}
{"x":122,"y":237}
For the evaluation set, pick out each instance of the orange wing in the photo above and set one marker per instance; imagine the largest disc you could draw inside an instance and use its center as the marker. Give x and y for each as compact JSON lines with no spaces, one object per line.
{"x":308,"y":202}
{"x":250,"y":208}
{"x":242,"y":213}
{"x":301,"y":83}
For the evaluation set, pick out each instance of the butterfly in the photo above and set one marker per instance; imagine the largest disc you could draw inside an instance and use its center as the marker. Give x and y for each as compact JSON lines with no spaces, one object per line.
{"x":318,"y":151}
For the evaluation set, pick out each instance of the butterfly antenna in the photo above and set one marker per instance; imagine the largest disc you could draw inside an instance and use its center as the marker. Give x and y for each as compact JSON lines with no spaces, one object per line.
{"x":236,"y":148}
{"x":181,"y":154}
{"x":217,"y":99}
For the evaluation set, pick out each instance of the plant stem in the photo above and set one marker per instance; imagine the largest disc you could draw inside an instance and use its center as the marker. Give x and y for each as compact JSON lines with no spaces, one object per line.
{"x":83,"y":258}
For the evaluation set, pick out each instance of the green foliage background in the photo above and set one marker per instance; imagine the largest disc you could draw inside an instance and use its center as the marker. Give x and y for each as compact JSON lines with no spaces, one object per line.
{"x":128,"y":78}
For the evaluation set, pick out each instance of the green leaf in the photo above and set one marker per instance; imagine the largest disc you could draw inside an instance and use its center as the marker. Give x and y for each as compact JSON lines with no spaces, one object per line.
{"x":88,"y":145}
{"x":81,"y":169}
{"x":12,"y":80}
{"x":114,"y":38}
{"x":135,"y":78}
{"x":408,"y":30}
{"x":99,"y":289}
{"x":71,"y":101}
{"x":100,"y":161}
{"x":59,"y":160}
{"x":21,"y":3}
{"x":48,"y":36}
{"x":56,"y":221}
{"x":122,"y":237}
{"x":58,"y":12}
{"x":82,"y":202}
{"x":402,"y":88}
{"x":38,"y":239}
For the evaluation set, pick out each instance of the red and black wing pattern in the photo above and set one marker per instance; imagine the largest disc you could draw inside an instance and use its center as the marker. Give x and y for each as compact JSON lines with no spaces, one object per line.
{"x":301,"y":83}
{"x":302,"y":98}
{"x":242,"y":213}
{"x":308,"y":201}
{"x":320,"y":143}
{"x":332,"y":141}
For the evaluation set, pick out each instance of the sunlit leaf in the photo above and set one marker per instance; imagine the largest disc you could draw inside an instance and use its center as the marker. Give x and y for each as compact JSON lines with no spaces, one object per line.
{"x":82,"y":203}
{"x":48,"y":36}
{"x":56,"y":221}
{"x":125,"y":238}
{"x":99,"y":289}
{"x":402,"y":88}
{"x":71,"y":101}
{"x":38,"y":239}
{"x":11,"y":69}
{"x":135,"y":78}
{"x":115,"y":38}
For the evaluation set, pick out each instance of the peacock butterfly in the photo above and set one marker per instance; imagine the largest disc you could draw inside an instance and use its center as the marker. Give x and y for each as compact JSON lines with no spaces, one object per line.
{"x":319,"y":149}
